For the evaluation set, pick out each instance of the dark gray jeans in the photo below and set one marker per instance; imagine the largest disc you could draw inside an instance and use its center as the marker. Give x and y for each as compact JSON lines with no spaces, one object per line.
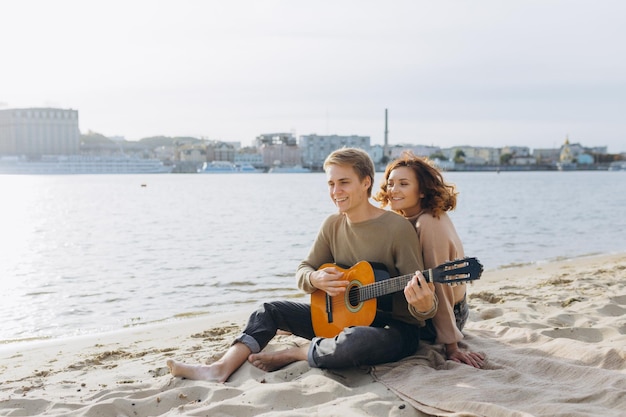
{"x":386,"y":340}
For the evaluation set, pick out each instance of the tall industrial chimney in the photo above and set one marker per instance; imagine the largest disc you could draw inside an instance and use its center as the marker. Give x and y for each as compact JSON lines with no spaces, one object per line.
{"x":386,"y":146}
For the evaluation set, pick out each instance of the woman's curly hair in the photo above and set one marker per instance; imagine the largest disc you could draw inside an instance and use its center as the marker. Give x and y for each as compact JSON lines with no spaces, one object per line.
{"x":439,"y":196}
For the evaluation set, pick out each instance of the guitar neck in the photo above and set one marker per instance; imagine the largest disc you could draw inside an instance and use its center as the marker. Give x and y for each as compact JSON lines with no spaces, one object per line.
{"x":388,"y":286}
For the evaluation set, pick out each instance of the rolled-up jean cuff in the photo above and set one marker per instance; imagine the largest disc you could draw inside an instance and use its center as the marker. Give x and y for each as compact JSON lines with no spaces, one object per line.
{"x":309,"y":355}
{"x":249,"y":341}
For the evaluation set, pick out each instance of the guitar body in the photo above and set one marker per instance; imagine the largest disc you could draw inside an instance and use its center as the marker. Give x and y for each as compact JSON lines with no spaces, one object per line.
{"x":344,"y":313}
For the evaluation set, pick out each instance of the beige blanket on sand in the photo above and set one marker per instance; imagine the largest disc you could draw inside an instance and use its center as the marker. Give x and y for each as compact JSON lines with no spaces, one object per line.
{"x":525,"y":374}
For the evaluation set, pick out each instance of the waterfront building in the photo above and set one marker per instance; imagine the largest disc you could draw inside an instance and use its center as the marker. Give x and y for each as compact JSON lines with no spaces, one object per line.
{"x":278,"y":149}
{"x":33,"y":132}
{"x":517,"y":155}
{"x":418,"y":150}
{"x":276,"y":139}
{"x":599,"y":150}
{"x":444,"y":165}
{"x":585,"y":159}
{"x":221,"y":151}
{"x":377,"y":152}
{"x":192,"y":152}
{"x":280,"y":155}
{"x":546,"y":156}
{"x":522,"y":160}
{"x":566,"y":159}
{"x":569,"y":151}
{"x":491,"y":155}
{"x":165,"y":153}
{"x":517,"y":151}
{"x":315,"y":148}
{"x":247,"y":157}
{"x":475,"y":155}
{"x":567,"y":155}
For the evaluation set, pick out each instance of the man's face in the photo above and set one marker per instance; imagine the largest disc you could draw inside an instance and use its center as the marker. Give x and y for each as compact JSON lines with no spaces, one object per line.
{"x":345,"y":189}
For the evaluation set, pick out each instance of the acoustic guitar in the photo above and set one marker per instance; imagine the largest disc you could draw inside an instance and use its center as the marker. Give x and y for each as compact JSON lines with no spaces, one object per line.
{"x":369,"y":282}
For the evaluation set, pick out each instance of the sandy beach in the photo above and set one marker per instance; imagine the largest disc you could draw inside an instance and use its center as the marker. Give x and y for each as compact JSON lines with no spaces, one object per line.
{"x":553,"y":333}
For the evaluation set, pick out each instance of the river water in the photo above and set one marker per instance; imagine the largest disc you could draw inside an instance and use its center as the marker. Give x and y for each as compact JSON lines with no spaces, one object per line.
{"x":90,"y":253}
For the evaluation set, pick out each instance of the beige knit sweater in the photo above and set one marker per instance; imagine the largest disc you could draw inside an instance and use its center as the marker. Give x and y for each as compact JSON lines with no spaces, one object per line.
{"x":440,"y":243}
{"x":388,"y":239}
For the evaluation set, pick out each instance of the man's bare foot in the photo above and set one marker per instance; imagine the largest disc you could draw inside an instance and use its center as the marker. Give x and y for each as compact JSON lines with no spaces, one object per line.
{"x":218,"y":371}
{"x":196,"y":372}
{"x":271,"y":361}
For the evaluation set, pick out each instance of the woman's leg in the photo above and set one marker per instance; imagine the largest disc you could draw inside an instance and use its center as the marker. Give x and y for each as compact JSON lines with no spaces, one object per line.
{"x":461,"y":313}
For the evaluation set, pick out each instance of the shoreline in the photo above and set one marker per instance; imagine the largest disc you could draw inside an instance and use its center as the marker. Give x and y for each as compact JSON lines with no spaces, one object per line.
{"x":571,"y":311}
{"x":245,"y":310}
{"x":160,"y":325}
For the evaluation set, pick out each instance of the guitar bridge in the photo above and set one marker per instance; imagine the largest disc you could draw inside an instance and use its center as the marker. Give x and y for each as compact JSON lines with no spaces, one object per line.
{"x":329,"y":309}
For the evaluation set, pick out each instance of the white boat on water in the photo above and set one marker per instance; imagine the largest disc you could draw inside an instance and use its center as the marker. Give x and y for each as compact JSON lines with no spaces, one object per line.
{"x":298,"y":169}
{"x":226,"y":167}
{"x":78,"y":164}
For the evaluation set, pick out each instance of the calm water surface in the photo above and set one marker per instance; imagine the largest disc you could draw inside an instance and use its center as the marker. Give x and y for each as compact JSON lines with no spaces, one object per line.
{"x":88,"y":253}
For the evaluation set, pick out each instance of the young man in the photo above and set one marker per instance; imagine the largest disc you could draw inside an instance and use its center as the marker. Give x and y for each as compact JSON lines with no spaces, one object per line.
{"x":359,"y":231}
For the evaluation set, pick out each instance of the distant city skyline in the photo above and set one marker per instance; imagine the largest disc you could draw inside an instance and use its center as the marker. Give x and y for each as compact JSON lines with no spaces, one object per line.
{"x":243,"y":144}
{"x":485,"y":73}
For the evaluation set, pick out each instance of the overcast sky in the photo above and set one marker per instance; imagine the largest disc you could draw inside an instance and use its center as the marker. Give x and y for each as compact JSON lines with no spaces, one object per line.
{"x":482,"y":73}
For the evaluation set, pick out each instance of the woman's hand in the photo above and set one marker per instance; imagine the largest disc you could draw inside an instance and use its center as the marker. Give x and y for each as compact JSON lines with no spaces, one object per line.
{"x":330,"y":280}
{"x":419,"y":293}
{"x":454,"y":353}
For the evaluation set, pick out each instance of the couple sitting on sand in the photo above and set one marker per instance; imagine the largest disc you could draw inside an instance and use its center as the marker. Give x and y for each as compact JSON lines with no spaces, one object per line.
{"x":361,"y":231}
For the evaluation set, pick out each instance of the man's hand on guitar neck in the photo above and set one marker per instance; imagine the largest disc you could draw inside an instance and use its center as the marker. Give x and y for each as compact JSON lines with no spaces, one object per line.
{"x":420,"y":293}
{"x":329,"y":280}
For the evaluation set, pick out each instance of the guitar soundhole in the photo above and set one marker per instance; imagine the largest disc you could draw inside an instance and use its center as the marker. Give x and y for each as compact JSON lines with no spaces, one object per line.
{"x":353,"y":296}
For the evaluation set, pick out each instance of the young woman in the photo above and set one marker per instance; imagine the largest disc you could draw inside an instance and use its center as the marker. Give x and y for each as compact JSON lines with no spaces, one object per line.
{"x":416,"y":189}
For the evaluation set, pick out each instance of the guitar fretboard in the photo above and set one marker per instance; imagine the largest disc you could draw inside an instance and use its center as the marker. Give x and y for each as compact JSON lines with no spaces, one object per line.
{"x":387,"y":286}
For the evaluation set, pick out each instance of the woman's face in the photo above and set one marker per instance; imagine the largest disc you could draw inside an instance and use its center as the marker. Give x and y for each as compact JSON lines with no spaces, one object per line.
{"x":404,"y":193}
